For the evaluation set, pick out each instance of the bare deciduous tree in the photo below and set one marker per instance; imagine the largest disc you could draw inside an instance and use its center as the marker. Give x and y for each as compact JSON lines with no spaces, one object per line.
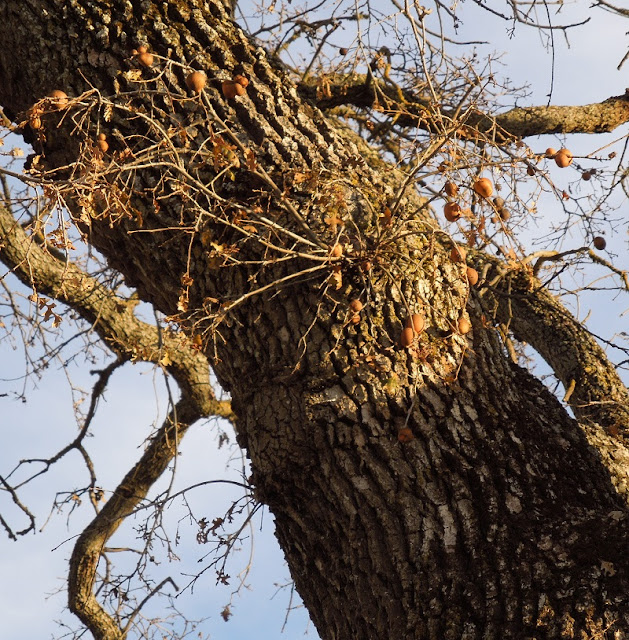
{"x":339,"y":240}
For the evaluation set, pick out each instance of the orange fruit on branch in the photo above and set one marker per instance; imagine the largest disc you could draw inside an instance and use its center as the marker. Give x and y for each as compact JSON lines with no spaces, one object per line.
{"x":196,"y":81}
{"x":563,"y":158}
{"x":484,"y":187}
{"x":452,"y":211}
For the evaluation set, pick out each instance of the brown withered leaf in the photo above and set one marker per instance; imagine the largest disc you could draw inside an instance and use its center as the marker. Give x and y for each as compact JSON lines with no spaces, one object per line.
{"x":250,"y":160}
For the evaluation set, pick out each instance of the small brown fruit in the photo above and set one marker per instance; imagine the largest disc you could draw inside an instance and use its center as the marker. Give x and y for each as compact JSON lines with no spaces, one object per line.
{"x":242,"y":81}
{"x":343,"y":51}
{"x":484,"y":187}
{"x":550,"y":152}
{"x":472,"y":276}
{"x":451,"y":189}
{"x":405,"y":435}
{"x":563,"y":158}
{"x":408,"y":335}
{"x":35,"y":121}
{"x":58,"y":98}
{"x":232,"y":89}
{"x":599,"y":243}
{"x":355,"y":319}
{"x":356,"y":305}
{"x":530,"y":170}
{"x":196,"y":81}
{"x":452,"y":211}
{"x":145,"y":58}
{"x":458,"y":254}
{"x":101,"y":142}
{"x":586,"y":175}
{"x":336,"y":251}
{"x":464,"y":326}
{"x":416,"y":322}
{"x":499,"y":202}
{"x":504,"y":214}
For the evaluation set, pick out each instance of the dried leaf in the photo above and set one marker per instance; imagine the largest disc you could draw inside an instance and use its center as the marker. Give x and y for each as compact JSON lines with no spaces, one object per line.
{"x":165,"y":360}
{"x":336,"y":278}
{"x":250,"y":160}
{"x":182,"y":303}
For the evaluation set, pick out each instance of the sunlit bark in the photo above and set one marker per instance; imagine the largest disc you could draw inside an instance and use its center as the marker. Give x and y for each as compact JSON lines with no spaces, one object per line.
{"x":435,"y":491}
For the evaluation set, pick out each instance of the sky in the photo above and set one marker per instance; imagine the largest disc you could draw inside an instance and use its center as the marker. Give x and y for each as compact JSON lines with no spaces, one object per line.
{"x":32,"y":570}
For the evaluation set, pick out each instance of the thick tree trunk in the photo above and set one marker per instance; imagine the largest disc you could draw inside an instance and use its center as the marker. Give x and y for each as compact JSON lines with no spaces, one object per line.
{"x":497,"y":518}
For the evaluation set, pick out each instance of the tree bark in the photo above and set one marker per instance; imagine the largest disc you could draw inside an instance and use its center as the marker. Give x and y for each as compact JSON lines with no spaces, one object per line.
{"x":497,"y":515}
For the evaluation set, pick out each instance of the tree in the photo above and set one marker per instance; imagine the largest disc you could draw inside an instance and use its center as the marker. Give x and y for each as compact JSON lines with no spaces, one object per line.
{"x":290,"y":228}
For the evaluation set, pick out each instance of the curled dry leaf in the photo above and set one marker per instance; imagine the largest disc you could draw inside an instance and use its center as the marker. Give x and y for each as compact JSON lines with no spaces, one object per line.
{"x":458,"y":254}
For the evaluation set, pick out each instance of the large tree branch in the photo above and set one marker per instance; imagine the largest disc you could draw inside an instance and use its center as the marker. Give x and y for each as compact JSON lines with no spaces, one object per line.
{"x":519,"y":301}
{"x":413,"y":110}
{"x":112,"y":316}
{"x":113,"y":319}
{"x":129,"y":493}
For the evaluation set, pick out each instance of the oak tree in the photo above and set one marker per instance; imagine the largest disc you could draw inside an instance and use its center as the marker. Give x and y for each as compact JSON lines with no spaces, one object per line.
{"x":339,"y":242}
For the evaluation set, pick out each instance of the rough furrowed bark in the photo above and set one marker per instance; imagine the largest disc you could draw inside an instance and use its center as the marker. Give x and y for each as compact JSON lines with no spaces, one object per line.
{"x":432,"y":491}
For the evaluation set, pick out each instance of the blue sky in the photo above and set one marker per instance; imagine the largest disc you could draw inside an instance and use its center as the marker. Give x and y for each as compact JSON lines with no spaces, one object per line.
{"x":34,"y":567}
